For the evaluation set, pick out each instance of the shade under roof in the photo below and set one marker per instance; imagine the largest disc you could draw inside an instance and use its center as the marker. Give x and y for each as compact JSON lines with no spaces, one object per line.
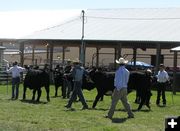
{"x":126,"y":24}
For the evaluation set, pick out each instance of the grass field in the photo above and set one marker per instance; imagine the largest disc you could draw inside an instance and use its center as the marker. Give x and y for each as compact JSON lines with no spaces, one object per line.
{"x":18,"y":115}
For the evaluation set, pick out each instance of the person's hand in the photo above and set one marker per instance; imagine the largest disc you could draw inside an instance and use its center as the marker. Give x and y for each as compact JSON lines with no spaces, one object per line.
{"x":7,"y":66}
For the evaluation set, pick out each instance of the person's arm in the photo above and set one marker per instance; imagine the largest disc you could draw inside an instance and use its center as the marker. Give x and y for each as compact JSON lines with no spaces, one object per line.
{"x":86,"y":73}
{"x":7,"y":66}
{"x":115,"y":81}
{"x":128,"y":74}
{"x":73,"y":72}
{"x":167,"y":76}
{"x":9,"y":70}
{"x":21,"y":69}
{"x":157,"y":76}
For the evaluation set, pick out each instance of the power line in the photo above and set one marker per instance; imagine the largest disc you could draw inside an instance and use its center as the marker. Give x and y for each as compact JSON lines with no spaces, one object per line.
{"x":120,"y":18}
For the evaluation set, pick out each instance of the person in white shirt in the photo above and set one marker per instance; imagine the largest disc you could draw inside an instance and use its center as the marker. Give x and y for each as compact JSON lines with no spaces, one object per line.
{"x":15,"y":70}
{"x":120,"y":92}
{"x":162,"y":79}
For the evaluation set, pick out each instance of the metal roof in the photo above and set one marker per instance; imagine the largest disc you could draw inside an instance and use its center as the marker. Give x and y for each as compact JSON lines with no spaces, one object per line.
{"x":2,"y":48}
{"x":125,"y":24}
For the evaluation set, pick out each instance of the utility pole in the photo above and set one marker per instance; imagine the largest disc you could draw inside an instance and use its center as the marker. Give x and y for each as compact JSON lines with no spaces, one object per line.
{"x":82,"y":54}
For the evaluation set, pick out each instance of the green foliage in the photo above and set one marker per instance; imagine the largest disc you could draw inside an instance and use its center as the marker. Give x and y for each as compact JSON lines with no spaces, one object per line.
{"x":18,"y":115}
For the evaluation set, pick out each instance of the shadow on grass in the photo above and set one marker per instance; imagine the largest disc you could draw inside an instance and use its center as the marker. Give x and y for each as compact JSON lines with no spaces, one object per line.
{"x":10,"y":99}
{"x":162,"y":106}
{"x":135,"y":110}
{"x":99,"y":109}
{"x":118,"y":120}
{"x":89,"y":100}
{"x":33,"y":102}
{"x":144,"y":110}
{"x":70,"y":109}
{"x":56,"y":96}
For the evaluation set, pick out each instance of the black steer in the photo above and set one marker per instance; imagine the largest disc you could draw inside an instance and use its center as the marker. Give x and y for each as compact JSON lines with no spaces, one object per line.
{"x":104,"y":82}
{"x":34,"y":80}
{"x":58,"y":81}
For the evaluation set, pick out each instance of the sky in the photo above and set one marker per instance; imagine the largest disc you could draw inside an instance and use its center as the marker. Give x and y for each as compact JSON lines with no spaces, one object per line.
{"x":19,"y":18}
{"x":6,"y":5}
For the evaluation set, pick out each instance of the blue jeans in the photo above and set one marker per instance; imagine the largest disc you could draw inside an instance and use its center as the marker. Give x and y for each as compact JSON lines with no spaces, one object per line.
{"x":77,"y":91}
{"x":15,"y":84}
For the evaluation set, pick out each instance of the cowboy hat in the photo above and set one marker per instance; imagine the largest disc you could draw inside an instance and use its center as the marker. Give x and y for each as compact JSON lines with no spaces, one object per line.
{"x":121,"y":61}
{"x":149,"y":71}
{"x":76,"y":61}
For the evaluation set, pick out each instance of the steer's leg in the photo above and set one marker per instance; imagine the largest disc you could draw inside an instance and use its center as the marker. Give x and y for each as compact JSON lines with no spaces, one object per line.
{"x":24,"y":93}
{"x":56,"y":90}
{"x":47,"y":92}
{"x":97,"y":99}
{"x":138,"y":99}
{"x":102,"y":97}
{"x":39,"y":94}
{"x":34,"y":93}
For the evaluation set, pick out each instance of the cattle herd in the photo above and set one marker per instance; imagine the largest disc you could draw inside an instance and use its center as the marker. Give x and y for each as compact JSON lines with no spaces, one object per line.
{"x":103,"y":81}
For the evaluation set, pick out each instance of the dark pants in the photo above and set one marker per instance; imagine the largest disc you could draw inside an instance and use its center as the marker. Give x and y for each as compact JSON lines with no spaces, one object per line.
{"x":77,"y":91}
{"x":161,"y":90}
{"x":66,"y":88}
{"x":15,"y":86}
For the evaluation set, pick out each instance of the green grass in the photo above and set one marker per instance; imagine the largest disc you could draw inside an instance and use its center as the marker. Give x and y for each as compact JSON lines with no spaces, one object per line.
{"x":16,"y":115}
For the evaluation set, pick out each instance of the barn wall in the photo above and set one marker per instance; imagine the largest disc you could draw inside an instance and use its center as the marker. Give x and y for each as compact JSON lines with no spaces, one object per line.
{"x":104,"y":59}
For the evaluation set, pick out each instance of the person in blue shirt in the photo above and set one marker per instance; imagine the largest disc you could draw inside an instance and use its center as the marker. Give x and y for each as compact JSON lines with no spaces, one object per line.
{"x":77,"y":73}
{"x":120,"y":92}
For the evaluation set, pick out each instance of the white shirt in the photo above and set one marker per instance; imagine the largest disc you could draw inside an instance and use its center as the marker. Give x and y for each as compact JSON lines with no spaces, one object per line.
{"x":162,"y":76}
{"x":15,"y":70}
{"x":121,"y":78}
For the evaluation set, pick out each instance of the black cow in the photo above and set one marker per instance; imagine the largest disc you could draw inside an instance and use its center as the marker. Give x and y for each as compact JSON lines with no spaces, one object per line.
{"x":34,"y":80}
{"x":104,"y":83}
{"x":142,"y":83}
{"x":87,"y":84}
{"x":58,"y":79}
